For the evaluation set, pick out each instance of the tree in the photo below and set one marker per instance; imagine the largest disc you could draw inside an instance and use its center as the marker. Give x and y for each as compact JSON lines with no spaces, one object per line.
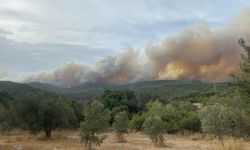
{"x":216,"y":119}
{"x":155,"y":108}
{"x":240,"y":123}
{"x":190,"y":121}
{"x":189,"y":118}
{"x":171,"y":117}
{"x":115,"y":111}
{"x":7,"y":119}
{"x":37,"y":112}
{"x":111,"y":98}
{"x":241,"y":88}
{"x":136,"y":122}
{"x":96,"y":122}
{"x":55,"y":114}
{"x":121,"y":125}
{"x":245,"y":66}
{"x":242,"y":83}
{"x":116,"y":98}
{"x":7,"y":122}
{"x":5,"y":99}
{"x":154,"y":127}
{"x":78,"y":113}
{"x":177,"y":116}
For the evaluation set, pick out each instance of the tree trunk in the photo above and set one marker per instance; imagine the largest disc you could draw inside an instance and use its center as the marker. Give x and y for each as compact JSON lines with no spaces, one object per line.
{"x":221,"y":140}
{"x":47,"y":133}
{"x":89,"y":145}
{"x":120,"y":137}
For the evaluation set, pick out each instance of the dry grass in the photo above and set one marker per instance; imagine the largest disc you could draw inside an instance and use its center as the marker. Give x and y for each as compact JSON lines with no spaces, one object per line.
{"x":69,"y":140}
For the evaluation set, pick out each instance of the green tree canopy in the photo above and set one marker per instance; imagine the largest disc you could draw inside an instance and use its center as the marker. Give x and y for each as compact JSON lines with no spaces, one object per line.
{"x":241,"y":88}
{"x":242,"y":83}
{"x":121,"y":125}
{"x":96,"y":122}
{"x":154,"y":127}
{"x":136,"y":122}
{"x":38,"y":113}
{"x":216,"y":119}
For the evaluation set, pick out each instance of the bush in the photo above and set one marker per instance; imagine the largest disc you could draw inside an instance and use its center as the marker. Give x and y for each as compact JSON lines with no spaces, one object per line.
{"x":136,"y":122}
{"x":190,"y":122}
{"x":155,"y":108}
{"x":172,"y":118}
{"x":154,"y":127}
{"x":96,"y":121}
{"x":115,"y":111}
{"x":177,"y":116}
{"x":216,"y":119}
{"x":121,"y":125}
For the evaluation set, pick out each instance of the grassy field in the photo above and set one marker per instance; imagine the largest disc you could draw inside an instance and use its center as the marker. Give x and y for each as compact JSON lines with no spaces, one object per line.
{"x":69,"y":140}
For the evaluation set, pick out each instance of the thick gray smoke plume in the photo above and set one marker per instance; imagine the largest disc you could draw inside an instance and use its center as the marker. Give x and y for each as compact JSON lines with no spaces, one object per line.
{"x":196,"y":53}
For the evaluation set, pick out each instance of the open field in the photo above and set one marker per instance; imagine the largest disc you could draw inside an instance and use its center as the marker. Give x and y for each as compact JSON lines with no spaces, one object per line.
{"x":69,"y":140}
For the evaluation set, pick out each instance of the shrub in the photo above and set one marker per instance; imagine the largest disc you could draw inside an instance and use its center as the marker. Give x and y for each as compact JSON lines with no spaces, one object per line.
{"x":172,"y":118}
{"x":190,"y":121}
{"x":154,"y":127}
{"x":216,"y":119}
{"x":136,"y":122}
{"x":95,"y":123}
{"x":121,"y":125}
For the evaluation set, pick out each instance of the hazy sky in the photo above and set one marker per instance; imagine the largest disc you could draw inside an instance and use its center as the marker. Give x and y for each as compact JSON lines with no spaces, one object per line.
{"x":40,"y":35}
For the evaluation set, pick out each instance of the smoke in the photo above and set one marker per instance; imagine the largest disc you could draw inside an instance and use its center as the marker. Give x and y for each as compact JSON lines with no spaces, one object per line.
{"x":198,"y":53}
{"x":65,"y":76}
{"x":3,"y":74}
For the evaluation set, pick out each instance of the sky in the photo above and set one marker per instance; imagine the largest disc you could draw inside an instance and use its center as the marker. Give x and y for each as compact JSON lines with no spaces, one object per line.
{"x":40,"y":35}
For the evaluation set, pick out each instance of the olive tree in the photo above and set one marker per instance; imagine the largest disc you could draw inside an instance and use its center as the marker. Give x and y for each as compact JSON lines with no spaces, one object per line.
{"x":55,"y":114}
{"x":216,"y":119}
{"x":95,"y":123}
{"x":121,"y":125}
{"x":37,"y":113}
{"x":154,"y":127}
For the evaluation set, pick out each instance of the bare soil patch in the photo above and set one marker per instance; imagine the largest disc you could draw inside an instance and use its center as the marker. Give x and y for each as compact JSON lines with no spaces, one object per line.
{"x":69,"y":140}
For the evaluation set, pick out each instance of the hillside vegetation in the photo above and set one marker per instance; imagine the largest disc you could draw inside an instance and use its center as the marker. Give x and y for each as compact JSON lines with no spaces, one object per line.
{"x":161,"y":89}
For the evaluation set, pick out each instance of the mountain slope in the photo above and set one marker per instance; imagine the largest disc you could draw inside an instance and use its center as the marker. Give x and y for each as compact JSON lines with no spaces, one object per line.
{"x":161,"y":88}
{"x":46,"y":87}
{"x":16,"y":89}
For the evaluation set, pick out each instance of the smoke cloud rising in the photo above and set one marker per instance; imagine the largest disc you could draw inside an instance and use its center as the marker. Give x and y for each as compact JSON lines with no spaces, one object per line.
{"x":198,"y":53}
{"x":3,"y":74}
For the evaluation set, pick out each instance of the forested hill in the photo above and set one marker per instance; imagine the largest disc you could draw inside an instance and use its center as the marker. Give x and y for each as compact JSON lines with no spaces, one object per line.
{"x":47,"y":87}
{"x":19,"y":89}
{"x":16,"y":89}
{"x":157,"y":89}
